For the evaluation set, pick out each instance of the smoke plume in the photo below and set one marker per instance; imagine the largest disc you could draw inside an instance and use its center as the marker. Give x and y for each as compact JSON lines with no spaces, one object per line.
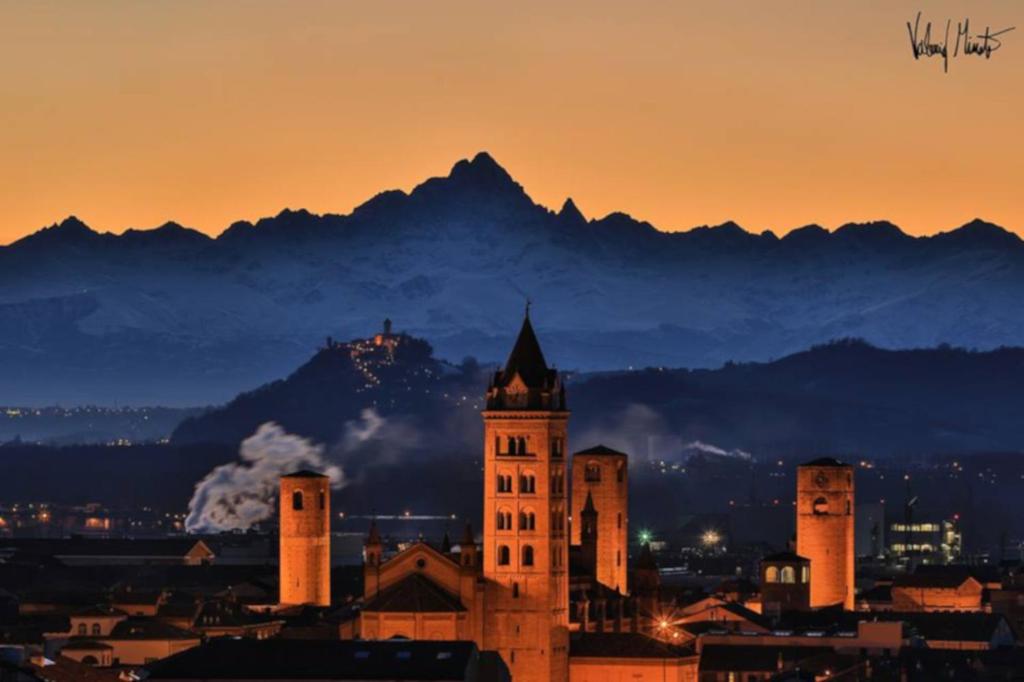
{"x":235,"y":496}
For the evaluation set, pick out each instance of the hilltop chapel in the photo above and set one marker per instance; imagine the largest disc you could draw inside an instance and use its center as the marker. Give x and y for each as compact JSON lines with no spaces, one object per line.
{"x":550,"y":608}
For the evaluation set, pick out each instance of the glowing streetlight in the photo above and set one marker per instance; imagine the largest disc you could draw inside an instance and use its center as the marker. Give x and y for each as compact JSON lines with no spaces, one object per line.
{"x":645,"y":537}
{"x":710,"y":538}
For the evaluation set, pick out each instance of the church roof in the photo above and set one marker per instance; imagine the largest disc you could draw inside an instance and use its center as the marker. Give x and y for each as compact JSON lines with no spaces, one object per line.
{"x":414,"y":594}
{"x":600,"y":450}
{"x":527,"y":359}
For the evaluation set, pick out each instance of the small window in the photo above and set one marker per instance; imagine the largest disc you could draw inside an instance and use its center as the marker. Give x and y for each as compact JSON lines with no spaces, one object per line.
{"x":620,"y":472}
{"x":515,"y":590}
{"x":82,"y":629}
{"x":323,"y":500}
{"x":592,"y":472}
{"x":805,"y":574}
{"x":504,"y":555}
{"x":527,"y":520}
{"x":820,"y":506}
{"x":527,"y":555}
{"x":527,"y":484}
{"x":522,"y":445}
{"x":95,"y":629}
{"x":297,"y":500}
{"x":787,"y":575}
{"x":771,"y":574}
{"x":618,"y":520}
{"x":618,"y":557}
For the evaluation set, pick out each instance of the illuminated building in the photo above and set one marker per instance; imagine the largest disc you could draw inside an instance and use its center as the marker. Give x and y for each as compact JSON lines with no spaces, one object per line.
{"x":824,"y":529}
{"x":785,"y":583}
{"x":927,"y":541}
{"x":305,"y":558}
{"x":512,"y":594}
{"x":602,"y":475}
{"x":526,"y":547}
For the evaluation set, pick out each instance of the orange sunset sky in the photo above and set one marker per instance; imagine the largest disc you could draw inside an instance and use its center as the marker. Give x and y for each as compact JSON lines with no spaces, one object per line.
{"x":772,"y":114}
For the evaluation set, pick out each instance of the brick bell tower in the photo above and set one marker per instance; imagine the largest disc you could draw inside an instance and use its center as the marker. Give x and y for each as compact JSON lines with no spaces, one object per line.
{"x":824,"y":529}
{"x":525,"y":543}
{"x":305,"y":558}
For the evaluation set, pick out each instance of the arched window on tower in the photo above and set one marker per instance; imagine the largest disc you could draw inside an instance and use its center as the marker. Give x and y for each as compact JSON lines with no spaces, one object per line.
{"x":504,"y":483}
{"x":504,"y":555}
{"x":527,"y":520}
{"x":511,"y":445}
{"x":527,"y":483}
{"x":522,"y":445}
{"x":820,"y":506}
{"x":504,"y":520}
{"x":297,"y":500}
{"x":805,"y":574}
{"x":82,"y":629}
{"x":323,"y":500}
{"x":771,"y":574}
{"x":787,"y":575}
{"x":96,"y":629}
{"x":592,"y":472}
{"x":527,"y":555}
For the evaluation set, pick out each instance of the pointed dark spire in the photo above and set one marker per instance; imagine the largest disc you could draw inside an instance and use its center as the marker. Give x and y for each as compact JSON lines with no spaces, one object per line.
{"x":588,"y":507}
{"x":373,"y":537}
{"x":526,"y":358}
{"x":446,"y":543}
{"x":646,"y":559}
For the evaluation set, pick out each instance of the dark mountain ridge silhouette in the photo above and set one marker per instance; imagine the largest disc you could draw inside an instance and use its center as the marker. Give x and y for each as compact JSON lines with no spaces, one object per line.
{"x":172,"y":316}
{"x":843,"y":398}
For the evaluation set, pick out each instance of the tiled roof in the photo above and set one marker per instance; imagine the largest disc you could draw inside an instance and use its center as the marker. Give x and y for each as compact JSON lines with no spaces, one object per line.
{"x":141,"y":628}
{"x":414,"y":594}
{"x":753,"y":658}
{"x":290,"y":659}
{"x":623,"y":645}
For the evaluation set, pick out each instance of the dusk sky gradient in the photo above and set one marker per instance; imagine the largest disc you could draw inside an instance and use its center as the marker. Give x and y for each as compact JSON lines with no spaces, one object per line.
{"x":772,"y":114}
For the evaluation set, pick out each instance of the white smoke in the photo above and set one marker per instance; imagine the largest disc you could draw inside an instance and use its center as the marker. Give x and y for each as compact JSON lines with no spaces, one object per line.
{"x":708,"y":448}
{"x":237,"y":495}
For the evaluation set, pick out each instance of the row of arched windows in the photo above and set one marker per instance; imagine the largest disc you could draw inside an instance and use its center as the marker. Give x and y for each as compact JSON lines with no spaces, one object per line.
{"x":517,"y":445}
{"x":83,"y":629}
{"x":297,"y":500}
{"x":787,"y":574}
{"x":527,"y":520}
{"x":505,"y":555}
{"x":527,"y":483}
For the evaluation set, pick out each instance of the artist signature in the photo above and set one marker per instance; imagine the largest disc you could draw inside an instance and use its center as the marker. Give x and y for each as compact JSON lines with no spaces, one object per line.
{"x":978,"y":45}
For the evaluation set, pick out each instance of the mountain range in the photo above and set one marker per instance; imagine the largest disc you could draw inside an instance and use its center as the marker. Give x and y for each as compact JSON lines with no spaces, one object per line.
{"x":171,"y":316}
{"x":845,"y":398}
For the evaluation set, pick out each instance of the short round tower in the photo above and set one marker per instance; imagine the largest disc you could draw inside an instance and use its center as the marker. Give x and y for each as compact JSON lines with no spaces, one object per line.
{"x":305,"y":559}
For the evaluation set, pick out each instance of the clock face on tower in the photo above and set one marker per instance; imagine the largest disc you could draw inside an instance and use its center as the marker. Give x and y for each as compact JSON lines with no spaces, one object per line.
{"x":821,"y":479}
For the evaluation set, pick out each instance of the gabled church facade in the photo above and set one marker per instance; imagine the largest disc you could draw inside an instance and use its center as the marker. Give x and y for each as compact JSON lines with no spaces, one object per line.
{"x":511,"y":593}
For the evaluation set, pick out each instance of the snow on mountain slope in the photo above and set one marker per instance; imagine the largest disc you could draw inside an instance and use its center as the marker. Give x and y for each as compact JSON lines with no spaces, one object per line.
{"x":170,"y":316}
